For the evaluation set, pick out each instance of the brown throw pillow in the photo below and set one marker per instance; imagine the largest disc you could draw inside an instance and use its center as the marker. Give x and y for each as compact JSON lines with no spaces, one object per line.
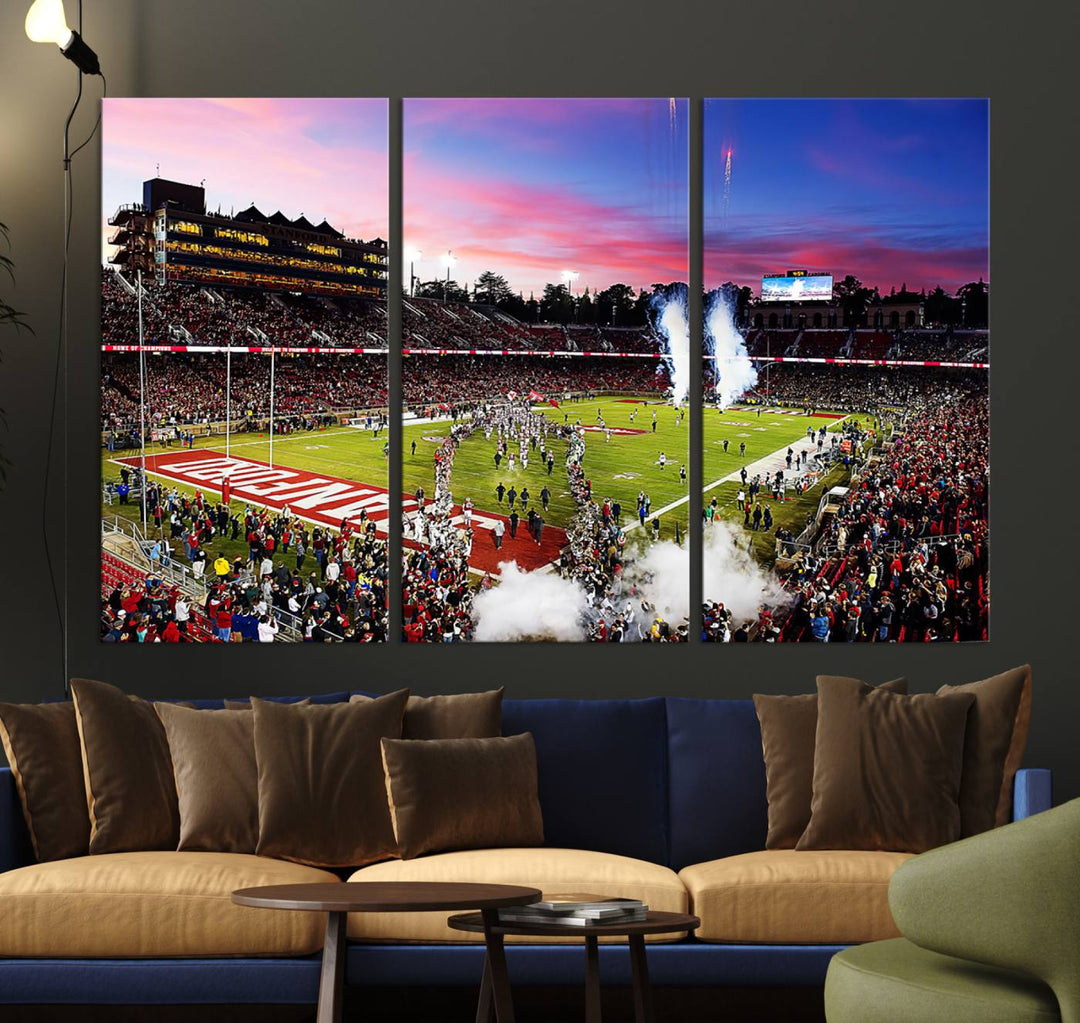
{"x":246,"y":704}
{"x":886,"y":768}
{"x":127,"y":770}
{"x":457,"y":716}
{"x":322,"y":796}
{"x":997,"y":732}
{"x":237,"y":705}
{"x":217,"y":780}
{"x":463,"y":793}
{"x":42,"y":746}
{"x":788,"y":724}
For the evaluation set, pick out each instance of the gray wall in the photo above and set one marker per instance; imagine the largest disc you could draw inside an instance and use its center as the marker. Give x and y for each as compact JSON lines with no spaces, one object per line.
{"x":481,"y":47}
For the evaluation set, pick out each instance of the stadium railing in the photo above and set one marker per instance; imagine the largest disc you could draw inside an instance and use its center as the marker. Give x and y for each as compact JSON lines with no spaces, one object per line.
{"x":291,"y":627}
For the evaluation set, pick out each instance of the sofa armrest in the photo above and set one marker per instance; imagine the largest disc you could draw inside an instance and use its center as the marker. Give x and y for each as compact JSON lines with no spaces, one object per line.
{"x":1008,"y":898}
{"x":1032,"y":792}
{"x":15,"y":847}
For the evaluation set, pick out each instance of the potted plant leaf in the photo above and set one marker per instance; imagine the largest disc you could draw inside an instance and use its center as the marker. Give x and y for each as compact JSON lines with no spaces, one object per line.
{"x":9,"y":317}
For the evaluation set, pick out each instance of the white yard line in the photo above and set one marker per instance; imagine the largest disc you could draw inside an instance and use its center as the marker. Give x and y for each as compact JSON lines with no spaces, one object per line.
{"x":763,"y":466}
{"x":278,"y":440}
{"x":766,"y":467}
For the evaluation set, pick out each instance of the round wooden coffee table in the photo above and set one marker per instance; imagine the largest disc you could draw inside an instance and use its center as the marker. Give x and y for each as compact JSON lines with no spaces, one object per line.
{"x":495,"y":976}
{"x":338,"y":900}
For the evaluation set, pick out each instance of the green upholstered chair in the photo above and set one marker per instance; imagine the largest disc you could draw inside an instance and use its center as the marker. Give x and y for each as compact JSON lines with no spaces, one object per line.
{"x":991,"y":931}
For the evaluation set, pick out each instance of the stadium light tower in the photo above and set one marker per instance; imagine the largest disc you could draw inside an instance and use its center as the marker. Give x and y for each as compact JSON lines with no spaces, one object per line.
{"x":568,"y":278}
{"x":448,"y":260}
{"x":412,"y":254}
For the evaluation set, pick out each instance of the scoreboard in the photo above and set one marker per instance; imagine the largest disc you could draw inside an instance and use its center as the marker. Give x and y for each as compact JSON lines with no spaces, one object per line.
{"x":797,"y":286}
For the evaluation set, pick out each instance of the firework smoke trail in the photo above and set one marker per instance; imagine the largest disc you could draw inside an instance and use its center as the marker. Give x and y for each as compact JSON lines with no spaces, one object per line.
{"x":735,"y":373}
{"x":672,"y":111}
{"x":672,"y":321}
{"x":727,"y":187}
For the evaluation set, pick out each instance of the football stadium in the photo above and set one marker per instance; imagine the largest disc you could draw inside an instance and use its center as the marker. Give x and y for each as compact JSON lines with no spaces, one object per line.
{"x":244,"y":426}
{"x":846,"y":477}
{"x":846,"y":267}
{"x":545,"y":429}
{"x":551,"y":449}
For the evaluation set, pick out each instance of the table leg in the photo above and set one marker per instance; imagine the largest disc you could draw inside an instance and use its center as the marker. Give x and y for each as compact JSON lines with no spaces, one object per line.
{"x":592,"y":980}
{"x":331,"y":981}
{"x":485,"y":1006}
{"x":500,"y":978}
{"x":643,"y":1010}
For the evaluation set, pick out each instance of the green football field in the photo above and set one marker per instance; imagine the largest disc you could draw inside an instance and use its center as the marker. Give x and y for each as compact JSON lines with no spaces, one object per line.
{"x":342,"y":451}
{"x":762,"y":434}
{"x":619,"y":469}
{"x":345,"y":452}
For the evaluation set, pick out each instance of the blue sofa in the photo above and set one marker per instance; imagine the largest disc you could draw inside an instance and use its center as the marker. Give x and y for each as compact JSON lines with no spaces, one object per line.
{"x":668,"y":781}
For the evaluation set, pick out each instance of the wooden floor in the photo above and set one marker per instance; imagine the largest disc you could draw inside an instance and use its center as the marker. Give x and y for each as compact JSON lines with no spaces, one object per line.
{"x":457,"y":1005}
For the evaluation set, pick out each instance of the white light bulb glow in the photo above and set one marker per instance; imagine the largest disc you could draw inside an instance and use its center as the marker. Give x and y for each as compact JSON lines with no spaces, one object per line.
{"x":46,"y":23}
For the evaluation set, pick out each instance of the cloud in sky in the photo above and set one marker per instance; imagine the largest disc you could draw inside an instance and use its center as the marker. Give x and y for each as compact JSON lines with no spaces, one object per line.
{"x":530,"y":187}
{"x":320,"y":157}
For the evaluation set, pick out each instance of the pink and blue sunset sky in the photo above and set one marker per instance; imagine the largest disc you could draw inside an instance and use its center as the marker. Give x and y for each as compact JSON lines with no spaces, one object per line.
{"x":894,"y":191}
{"x":320,"y":157}
{"x":531,"y":187}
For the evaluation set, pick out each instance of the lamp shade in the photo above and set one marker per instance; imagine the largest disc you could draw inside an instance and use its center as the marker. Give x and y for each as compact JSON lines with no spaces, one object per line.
{"x":45,"y":23}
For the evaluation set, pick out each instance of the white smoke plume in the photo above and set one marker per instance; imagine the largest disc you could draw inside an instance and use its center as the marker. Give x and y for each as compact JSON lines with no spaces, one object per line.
{"x":662,"y":574}
{"x":733,"y":577}
{"x":530,"y":606}
{"x":673,"y":323}
{"x":735,"y":373}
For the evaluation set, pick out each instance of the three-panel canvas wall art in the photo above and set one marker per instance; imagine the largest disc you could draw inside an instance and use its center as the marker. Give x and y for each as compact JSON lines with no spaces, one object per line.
{"x":546,"y":359}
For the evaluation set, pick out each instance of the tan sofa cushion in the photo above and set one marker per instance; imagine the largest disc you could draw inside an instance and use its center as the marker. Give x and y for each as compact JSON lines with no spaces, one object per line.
{"x":151,"y":904}
{"x":550,"y":870}
{"x":787,"y":897}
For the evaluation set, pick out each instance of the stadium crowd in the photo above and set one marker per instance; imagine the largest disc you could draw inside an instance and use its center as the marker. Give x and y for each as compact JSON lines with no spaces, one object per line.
{"x":905,"y":556}
{"x":314,"y":583}
{"x":860,"y":388}
{"x":189,"y":389}
{"x":235,"y":316}
{"x":430,"y":380}
{"x":438,"y":590}
{"x":433,"y":324}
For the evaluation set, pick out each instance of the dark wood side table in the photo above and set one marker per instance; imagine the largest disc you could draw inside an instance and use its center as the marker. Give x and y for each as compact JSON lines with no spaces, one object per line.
{"x":495,"y":978}
{"x":337,"y":900}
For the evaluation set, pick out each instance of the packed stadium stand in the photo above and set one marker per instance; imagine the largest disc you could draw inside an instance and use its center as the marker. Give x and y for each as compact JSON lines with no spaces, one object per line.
{"x":903,"y":555}
{"x":924,"y":345}
{"x":771,"y":342}
{"x":189,"y":388}
{"x":821,"y":344}
{"x":869,"y":344}
{"x":198,"y":314}
{"x":122,"y":581}
{"x":432,"y":324}
{"x":435,"y":379}
{"x":941,"y":345}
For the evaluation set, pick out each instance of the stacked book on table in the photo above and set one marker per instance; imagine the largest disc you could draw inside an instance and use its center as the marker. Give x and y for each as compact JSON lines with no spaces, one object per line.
{"x":575,"y":909}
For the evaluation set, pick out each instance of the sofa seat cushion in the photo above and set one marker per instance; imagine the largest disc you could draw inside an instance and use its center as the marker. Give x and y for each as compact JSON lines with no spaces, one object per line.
{"x":785,"y":896}
{"x":153,"y":904}
{"x":896,"y":980}
{"x":550,"y":870}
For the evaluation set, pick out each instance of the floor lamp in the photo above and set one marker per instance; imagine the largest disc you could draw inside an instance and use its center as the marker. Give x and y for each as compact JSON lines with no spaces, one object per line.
{"x":47,"y":23}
